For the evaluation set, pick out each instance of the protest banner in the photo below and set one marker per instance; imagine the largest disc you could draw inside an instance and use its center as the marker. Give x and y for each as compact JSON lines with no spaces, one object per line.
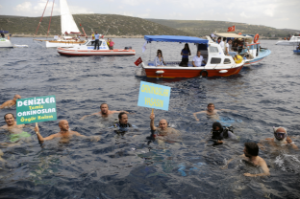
{"x":37,"y":109}
{"x":154,"y":96}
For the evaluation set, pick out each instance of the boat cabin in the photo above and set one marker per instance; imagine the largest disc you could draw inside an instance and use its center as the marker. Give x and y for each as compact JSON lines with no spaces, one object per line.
{"x":90,"y":44}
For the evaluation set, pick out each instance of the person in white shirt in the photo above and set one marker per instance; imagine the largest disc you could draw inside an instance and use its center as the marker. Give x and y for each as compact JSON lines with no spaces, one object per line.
{"x":222,"y":44}
{"x":198,"y":59}
{"x":159,"y":60}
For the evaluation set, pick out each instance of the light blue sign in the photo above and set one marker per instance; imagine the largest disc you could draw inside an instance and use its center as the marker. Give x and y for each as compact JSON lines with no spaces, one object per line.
{"x":154,"y":96}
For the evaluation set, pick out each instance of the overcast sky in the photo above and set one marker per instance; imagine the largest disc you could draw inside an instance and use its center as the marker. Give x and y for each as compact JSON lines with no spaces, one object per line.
{"x":273,"y":13}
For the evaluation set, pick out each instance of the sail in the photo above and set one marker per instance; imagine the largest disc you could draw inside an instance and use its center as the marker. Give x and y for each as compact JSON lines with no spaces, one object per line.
{"x":68,"y":25}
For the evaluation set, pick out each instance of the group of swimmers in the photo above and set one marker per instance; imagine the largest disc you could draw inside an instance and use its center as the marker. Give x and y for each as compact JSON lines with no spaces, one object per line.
{"x":163,"y":131}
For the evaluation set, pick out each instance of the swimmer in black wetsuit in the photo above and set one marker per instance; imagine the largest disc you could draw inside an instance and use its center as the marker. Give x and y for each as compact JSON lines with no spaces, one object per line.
{"x":251,"y":156}
{"x":219,"y":133}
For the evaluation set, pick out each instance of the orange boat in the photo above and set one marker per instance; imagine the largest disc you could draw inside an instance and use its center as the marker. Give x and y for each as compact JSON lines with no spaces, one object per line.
{"x":217,"y":64}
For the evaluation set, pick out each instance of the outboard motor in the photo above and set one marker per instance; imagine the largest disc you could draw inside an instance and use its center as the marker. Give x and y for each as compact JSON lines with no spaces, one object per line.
{"x":128,"y":48}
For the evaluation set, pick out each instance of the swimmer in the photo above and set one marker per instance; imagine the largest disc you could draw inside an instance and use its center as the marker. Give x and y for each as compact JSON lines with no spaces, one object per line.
{"x":16,"y":131}
{"x":212,"y":112}
{"x":251,"y":156}
{"x":65,"y":133}
{"x":162,"y":129}
{"x":10,"y":103}
{"x":123,"y":123}
{"x":280,"y":139}
{"x":104,"y":112}
{"x":219,"y":133}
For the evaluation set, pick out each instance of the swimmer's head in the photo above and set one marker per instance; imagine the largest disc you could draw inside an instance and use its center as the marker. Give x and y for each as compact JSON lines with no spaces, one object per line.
{"x":163,"y":124}
{"x":210,"y":107}
{"x":251,"y":149}
{"x":217,"y":129}
{"x":280,"y":133}
{"x":17,"y":97}
{"x":123,"y":118}
{"x":104,"y":108}
{"x":63,"y":125}
{"x":9,"y":119}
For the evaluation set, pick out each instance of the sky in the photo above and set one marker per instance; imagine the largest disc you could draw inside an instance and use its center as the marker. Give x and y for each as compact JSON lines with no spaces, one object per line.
{"x":272,"y":13}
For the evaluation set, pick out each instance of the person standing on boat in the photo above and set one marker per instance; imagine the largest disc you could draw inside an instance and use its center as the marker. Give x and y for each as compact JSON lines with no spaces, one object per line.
{"x":97,"y":36}
{"x":111,"y":45}
{"x":198,"y":59}
{"x":93,"y":36}
{"x":222,"y":44}
{"x":185,"y":55}
{"x":159,"y":60}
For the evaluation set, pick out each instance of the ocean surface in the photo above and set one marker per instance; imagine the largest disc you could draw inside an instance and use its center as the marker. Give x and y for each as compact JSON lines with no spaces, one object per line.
{"x":129,"y":165}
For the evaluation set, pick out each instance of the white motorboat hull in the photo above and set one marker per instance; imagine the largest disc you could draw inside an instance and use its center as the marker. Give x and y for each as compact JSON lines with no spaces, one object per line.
{"x":5,"y":43}
{"x":288,"y":43}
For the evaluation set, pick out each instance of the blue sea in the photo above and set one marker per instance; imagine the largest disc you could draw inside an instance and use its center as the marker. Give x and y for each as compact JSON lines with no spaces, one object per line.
{"x":129,"y":165}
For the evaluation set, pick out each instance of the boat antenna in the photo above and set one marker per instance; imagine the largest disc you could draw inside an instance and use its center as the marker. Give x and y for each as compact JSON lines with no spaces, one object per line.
{"x":50,"y":19}
{"x":40,"y":19}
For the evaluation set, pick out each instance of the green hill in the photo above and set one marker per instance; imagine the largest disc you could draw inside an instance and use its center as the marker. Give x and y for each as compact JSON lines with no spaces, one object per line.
{"x":202,"y":27}
{"x":103,"y":23}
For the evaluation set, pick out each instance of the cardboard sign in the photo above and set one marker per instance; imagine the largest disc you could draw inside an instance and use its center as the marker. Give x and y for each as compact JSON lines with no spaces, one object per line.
{"x":37,"y":109}
{"x":154,"y":96}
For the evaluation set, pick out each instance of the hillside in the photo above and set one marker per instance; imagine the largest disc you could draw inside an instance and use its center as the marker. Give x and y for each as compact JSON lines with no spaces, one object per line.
{"x":103,"y":23}
{"x":202,"y":27}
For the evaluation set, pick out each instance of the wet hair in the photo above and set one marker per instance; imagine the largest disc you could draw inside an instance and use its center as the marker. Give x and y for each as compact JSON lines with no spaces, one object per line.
{"x":252,"y":148}
{"x":121,"y":114}
{"x":210,"y":104}
{"x":159,"y":51}
{"x":103,"y":104}
{"x":8,"y":114}
{"x":217,"y":124}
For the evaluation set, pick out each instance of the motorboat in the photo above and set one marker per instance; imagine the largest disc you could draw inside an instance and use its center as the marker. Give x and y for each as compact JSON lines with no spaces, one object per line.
{"x":5,"y":42}
{"x":68,"y":27}
{"x":217,"y":64}
{"x":293,"y":41}
{"x":87,"y":49}
{"x":250,"y":48}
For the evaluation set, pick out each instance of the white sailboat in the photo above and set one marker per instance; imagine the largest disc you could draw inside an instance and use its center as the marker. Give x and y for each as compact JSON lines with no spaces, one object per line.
{"x":68,"y":27}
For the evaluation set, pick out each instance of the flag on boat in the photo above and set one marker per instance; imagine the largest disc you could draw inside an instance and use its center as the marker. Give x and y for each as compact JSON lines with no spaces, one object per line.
{"x":231,"y":29}
{"x":138,"y":61}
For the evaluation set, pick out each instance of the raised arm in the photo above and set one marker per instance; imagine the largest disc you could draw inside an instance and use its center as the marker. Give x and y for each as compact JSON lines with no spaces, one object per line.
{"x":119,"y":112}
{"x":89,"y":115}
{"x":152,"y":126}
{"x":92,"y":138}
{"x":40,"y":137}
{"x":195,"y":114}
{"x":290,"y":141}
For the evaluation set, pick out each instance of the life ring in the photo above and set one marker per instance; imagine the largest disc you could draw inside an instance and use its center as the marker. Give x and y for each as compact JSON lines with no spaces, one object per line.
{"x":203,"y":73}
{"x":256,"y":38}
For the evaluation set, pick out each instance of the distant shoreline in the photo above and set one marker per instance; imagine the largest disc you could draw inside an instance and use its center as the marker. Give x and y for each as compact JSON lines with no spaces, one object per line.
{"x":52,"y":36}
{"x":116,"y":36}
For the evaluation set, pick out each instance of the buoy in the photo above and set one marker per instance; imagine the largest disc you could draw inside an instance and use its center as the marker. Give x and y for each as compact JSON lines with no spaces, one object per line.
{"x":256,"y":38}
{"x":203,"y":73}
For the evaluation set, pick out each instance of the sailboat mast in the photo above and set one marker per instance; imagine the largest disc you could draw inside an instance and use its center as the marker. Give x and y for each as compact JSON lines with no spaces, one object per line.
{"x":50,"y":18}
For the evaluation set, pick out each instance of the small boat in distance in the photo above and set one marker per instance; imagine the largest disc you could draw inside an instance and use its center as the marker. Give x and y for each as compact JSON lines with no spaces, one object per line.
{"x":293,"y":41}
{"x":87,"y":49}
{"x":248,"y":46}
{"x":217,"y":64}
{"x":5,"y":42}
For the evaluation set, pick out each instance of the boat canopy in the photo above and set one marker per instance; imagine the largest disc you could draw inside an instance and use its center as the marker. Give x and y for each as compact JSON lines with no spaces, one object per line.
{"x":231,"y":35}
{"x":4,"y":31}
{"x":173,"y":38}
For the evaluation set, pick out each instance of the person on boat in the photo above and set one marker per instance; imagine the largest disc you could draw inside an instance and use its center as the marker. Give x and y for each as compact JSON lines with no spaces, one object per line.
{"x":16,"y":131}
{"x":250,"y":156}
{"x":108,"y":40}
{"x":185,"y":55}
{"x":10,"y":103}
{"x":222,"y":44}
{"x":298,"y":48}
{"x":97,"y":36}
{"x":229,"y":50}
{"x":211,"y":112}
{"x":104,"y":112}
{"x":218,"y":40}
{"x":163,"y":129}
{"x":159,"y":60}
{"x":219,"y":133}
{"x":111,"y":45}
{"x":2,"y":34}
{"x":65,"y":133}
{"x":281,"y":139}
{"x":198,"y":59}
{"x":93,"y":36}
